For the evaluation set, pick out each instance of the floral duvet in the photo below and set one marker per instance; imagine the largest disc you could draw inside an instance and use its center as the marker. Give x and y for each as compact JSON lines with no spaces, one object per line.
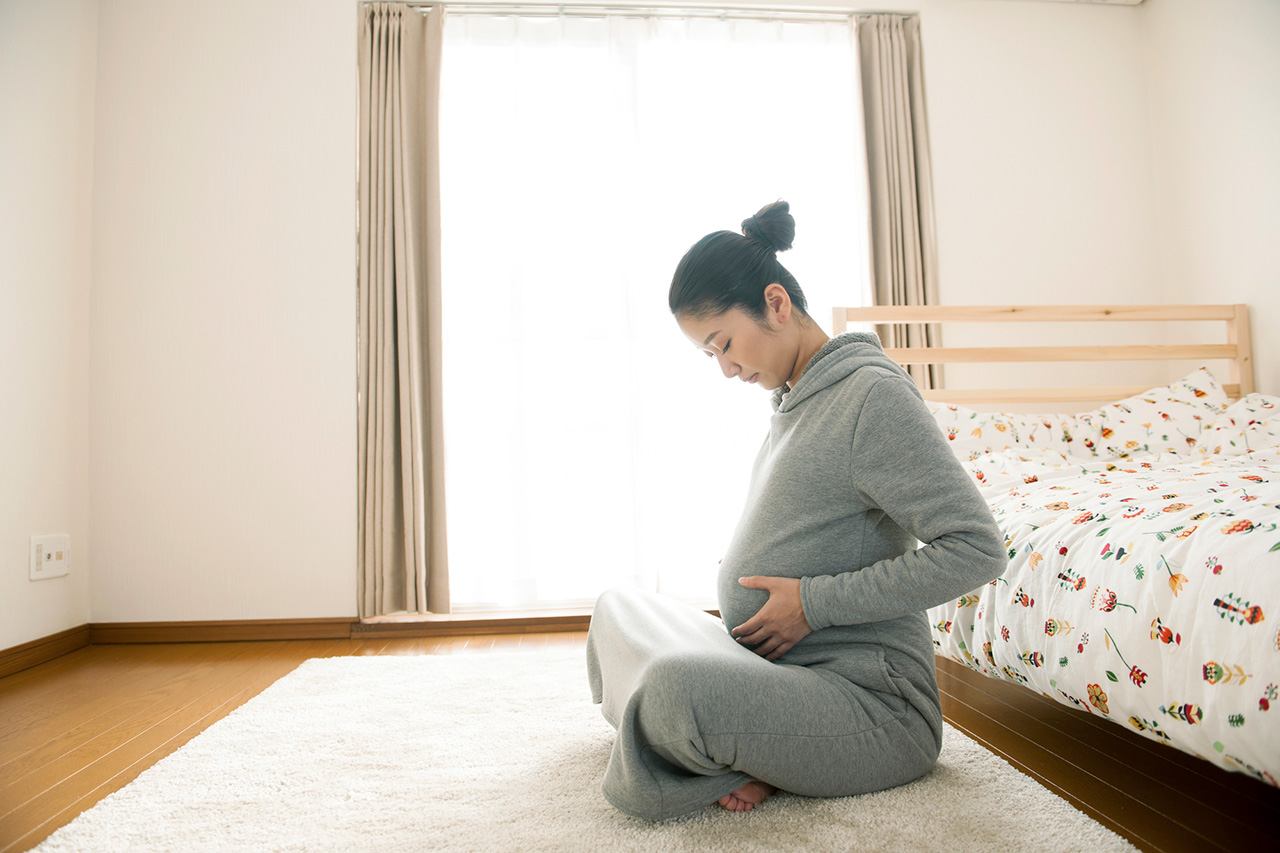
{"x":1143,"y":587}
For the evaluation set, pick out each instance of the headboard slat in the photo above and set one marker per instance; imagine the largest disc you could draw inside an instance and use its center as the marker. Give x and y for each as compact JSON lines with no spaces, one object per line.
{"x":1033,"y":313}
{"x":1102,"y":393}
{"x":1138,"y":352}
{"x":1237,"y":349}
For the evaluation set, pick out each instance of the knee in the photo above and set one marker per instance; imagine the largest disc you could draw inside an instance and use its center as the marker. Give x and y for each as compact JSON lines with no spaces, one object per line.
{"x":669,"y":696}
{"x":674,"y":675}
{"x":673,"y":664}
{"x":606,"y":597}
{"x":605,"y":604}
{"x":615,"y":599}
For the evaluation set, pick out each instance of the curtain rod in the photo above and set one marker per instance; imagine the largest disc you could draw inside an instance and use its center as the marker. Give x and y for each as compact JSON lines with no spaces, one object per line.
{"x":769,"y":12}
{"x":660,"y":4}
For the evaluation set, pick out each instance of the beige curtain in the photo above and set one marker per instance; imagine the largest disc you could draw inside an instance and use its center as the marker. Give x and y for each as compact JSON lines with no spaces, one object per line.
{"x":402,"y":553}
{"x":904,"y":252}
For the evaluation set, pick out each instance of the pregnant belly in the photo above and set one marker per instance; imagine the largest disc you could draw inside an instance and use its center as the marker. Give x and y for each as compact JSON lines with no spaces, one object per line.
{"x":736,"y":602}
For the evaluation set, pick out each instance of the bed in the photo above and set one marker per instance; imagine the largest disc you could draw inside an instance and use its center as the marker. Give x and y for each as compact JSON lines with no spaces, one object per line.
{"x":1143,"y":535}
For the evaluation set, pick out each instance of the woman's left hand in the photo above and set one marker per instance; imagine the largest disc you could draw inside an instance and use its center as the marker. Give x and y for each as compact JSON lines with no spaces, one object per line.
{"x":780,"y":624}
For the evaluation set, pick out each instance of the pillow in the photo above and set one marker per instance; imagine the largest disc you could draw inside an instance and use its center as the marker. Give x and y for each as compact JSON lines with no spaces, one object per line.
{"x":1165,"y":419}
{"x":971,"y":433}
{"x":1249,"y":425}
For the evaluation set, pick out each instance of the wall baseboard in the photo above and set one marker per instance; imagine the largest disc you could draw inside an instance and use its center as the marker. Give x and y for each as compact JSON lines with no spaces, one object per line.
{"x":48,"y":648}
{"x":222,"y":630}
{"x":45,"y":649}
{"x":42,"y":649}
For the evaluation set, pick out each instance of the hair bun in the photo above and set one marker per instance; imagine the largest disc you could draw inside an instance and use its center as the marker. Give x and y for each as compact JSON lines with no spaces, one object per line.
{"x":772,"y":226}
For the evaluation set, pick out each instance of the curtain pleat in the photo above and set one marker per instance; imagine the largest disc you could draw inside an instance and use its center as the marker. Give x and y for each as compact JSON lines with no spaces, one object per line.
{"x":904,"y":253}
{"x":402,"y":550}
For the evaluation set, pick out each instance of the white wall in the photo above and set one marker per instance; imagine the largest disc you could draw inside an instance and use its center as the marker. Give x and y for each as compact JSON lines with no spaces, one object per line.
{"x":1214,"y":118}
{"x":221,"y":368}
{"x":223,"y":455}
{"x":1038,"y":143}
{"x":47,"y":57}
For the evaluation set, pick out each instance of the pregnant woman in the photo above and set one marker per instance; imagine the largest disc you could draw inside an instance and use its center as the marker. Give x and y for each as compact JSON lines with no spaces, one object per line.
{"x":818,"y":679}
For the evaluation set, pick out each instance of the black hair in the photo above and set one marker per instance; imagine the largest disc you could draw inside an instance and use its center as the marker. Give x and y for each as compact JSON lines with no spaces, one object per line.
{"x":725,"y":270}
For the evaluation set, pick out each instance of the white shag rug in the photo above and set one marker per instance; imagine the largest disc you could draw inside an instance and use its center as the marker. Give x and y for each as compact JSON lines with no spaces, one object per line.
{"x":505,"y":751}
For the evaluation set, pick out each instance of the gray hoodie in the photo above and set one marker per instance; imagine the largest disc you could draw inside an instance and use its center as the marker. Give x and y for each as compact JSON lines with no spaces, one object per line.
{"x":853,"y":475}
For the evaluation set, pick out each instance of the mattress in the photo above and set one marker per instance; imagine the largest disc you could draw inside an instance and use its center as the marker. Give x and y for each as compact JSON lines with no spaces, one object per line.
{"x":1144,"y":587}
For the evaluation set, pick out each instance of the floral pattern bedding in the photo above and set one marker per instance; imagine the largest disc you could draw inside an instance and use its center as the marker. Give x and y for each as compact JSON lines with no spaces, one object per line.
{"x":1144,"y":578}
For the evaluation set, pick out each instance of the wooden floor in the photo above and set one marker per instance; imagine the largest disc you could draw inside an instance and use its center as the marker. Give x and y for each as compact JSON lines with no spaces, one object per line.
{"x":77,"y":728}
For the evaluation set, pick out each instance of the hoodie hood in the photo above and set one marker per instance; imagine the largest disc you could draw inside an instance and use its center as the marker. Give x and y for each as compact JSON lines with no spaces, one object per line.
{"x":837,"y":358}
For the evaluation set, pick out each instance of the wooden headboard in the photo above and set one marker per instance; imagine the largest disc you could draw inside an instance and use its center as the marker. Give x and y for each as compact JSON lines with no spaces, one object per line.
{"x":1237,"y":347}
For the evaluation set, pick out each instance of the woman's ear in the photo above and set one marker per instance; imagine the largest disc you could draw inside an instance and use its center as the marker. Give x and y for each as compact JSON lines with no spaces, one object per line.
{"x":778,"y":300}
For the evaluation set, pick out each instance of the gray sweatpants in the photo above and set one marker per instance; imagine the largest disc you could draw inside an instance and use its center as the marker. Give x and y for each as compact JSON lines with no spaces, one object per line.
{"x":698,"y":714}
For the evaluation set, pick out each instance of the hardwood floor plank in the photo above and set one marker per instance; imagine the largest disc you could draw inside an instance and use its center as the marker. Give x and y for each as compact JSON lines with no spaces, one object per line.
{"x":369,"y":646}
{"x":532,"y":643}
{"x":41,"y":672}
{"x":1159,"y":794}
{"x":506,"y":643}
{"x":99,"y":729}
{"x":567,"y":640}
{"x":1215,"y":789}
{"x":1232,"y":785}
{"x":1123,"y":814}
{"x":89,"y":728}
{"x":412,"y":645}
{"x":28,"y":802}
{"x":453,"y":644}
{"x":242,"y":679}
{"x":27,"y":703}
{"x":80,"y":714}
{"x":1101,"y":730}
{"x":480,"y":643}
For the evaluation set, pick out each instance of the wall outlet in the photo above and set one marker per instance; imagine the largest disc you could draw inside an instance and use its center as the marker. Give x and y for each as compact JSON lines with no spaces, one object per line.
{"x":50,"y":556}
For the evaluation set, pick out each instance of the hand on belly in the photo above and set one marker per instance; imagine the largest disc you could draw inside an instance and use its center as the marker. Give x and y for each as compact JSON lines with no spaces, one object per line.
{"x":779,"y":624}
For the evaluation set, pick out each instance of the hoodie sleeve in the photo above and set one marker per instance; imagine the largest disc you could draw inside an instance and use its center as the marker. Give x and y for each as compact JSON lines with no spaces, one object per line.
{"x":901,"y":463}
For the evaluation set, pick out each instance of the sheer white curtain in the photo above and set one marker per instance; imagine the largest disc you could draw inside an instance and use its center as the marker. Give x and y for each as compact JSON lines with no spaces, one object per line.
{"x":588,"y":443}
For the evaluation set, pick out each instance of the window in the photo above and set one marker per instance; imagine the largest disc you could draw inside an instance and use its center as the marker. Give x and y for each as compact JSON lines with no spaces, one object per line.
{"x":580,"y":158}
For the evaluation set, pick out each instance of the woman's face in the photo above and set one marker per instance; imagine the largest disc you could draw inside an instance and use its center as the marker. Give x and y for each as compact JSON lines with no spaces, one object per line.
{"x":744,"y":350}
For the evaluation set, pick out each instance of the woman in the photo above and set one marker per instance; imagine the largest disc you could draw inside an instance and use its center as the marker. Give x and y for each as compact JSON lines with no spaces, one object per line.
{"x":818,"y":679}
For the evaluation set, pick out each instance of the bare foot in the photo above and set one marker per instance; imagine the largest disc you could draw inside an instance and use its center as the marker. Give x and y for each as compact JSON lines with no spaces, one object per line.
{"x":747,"y":797}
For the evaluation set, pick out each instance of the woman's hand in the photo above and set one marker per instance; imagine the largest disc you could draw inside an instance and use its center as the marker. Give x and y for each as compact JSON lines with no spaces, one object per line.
{"x":780,"y":624}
